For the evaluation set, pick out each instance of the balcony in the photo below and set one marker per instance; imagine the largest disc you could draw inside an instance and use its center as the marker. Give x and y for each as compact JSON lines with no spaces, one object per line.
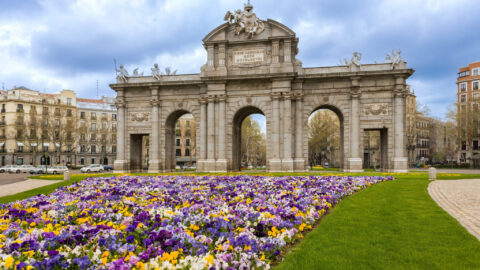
{"x":19,"y":123}
{"x":19,"y":110}
{"x":93,"y":118}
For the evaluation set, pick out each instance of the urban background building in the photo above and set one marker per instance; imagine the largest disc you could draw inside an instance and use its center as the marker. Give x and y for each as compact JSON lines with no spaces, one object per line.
{"x":468,"y":99}
{"x":40,"y":128}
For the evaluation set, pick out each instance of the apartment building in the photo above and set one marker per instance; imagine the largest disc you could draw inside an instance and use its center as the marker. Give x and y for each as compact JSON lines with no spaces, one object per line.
{"x":185,"y":129}
{"x":40,"y":128}
{"x":468,"y":116}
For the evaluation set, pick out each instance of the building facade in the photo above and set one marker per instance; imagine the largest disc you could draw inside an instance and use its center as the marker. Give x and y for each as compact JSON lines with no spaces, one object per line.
{"x":255,"y":70}
{"x":39,"y":128}
{"x":185,"y":131}
{"x":468,"y":115}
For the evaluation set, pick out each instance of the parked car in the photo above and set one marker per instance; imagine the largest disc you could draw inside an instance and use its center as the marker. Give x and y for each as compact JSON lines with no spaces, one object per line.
{"x":14,"y":169}
{"x":5,"y":168}
{"x":25,"y":168}
{"x":37,"y":170}
{"x":108,"y":167}
{"x":92,"y":168}
{"x":57,"y":169}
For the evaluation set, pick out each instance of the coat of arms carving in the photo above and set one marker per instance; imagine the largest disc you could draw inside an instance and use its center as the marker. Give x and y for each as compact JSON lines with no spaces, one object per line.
{"x":376,"y":109}
{"x":245,"y":21}
{"x":139,"y":116}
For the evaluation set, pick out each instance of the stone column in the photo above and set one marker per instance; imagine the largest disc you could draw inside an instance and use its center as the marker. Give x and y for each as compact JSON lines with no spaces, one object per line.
{"x":221,"y":163}
{"x":287,"y":161}
{"x":202,"y":155}
{"x":400,"y":161}
{"x":154,"y":164}
{"x":355,"y":163}
{"x":121,"y":163}
{"x":210,"y":56}
{"x":275,"y":162}
{"x":299,"y":162}
{"x":275,"y":51}
{"x":210,"y":164}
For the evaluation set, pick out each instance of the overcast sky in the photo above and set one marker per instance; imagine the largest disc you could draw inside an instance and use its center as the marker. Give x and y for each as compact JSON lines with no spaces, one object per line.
{"x":57,"y":44}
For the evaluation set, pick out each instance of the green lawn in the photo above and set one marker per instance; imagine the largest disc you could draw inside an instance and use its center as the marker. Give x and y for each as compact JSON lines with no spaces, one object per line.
{"x":391,"y":225}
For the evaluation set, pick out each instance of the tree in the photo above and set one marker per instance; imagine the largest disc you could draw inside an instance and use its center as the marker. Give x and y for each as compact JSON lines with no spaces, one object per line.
{"x":324,"y":137}
{"x":451,"y":131}
{"x":253,"y":149}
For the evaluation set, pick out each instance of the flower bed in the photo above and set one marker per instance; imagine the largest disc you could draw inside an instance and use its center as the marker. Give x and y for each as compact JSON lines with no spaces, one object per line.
{"x":164,"y":222}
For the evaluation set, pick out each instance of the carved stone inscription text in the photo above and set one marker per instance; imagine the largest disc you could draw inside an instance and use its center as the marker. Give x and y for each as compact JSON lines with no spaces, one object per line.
{"x":248,"y":56}
{"x":376,"y":109}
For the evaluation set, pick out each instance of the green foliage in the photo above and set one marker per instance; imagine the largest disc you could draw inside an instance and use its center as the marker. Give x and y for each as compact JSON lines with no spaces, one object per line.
{"x":253,"y":149}
{"x":324,"y":137}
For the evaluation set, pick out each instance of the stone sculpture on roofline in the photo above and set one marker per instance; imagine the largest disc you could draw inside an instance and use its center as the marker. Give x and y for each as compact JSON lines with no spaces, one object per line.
{"x":122,"y":73}
{"x":245,"y":21}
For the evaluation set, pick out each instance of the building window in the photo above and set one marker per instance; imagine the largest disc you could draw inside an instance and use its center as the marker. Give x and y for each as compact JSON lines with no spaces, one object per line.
{"x":3,"y":108}
{"x":69,"y":101}
{"x":463,"y":98}
{"x":45,"y":110}
{"x":464,"y":74}
{"x":94,"y":149}
{"x":82,"y":115}
{"x":178,"y":142}
{"x":187,"y":152}
{"x":475,"y":71}
{"x":20,"y":148}
{"x":82,"y":161}
{"x":464,"y":145}
{"x":178,"y":152}
{"x":82,"y":149}
{"x":33,"y":109}
{"x":104,"y":149}
{"x":92,"y":161}
{"x":69,"y":112}
{"x":463,"y":86}
{"x":104,"y":115}
{"x":69,"y":148}
{"x":114,"y":126}
{"x":475,"y":145}
{"x":105,"y":125}
{"x":114,"y":137}
{"x":57,"y":122}
{"x":114,"y":149}
{"x":94,"y":115}
{"x":19,"y":107}
{"x":94,"y":126}
{"x":475,"y":85}
{"x":187,"y":142}
{"x":114,"y":117}
{"x":45,"y":148}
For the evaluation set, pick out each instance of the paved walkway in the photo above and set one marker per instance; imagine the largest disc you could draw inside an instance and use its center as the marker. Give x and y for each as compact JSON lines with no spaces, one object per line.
{"x":14,"y":188}
{"x":461,"y":199}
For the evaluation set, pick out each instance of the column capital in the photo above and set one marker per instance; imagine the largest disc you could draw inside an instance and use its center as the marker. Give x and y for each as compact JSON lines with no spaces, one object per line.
{"x":154,"y":102}
{"x":275,"y":96}
{"x":211,"y":99}
{"x":298,"y":96}
{"x":287,"y":96}
{"x":203,"y":100}
{"x":120,"y":103}
{"x":355,"y":92}
{"x":221,"y":98}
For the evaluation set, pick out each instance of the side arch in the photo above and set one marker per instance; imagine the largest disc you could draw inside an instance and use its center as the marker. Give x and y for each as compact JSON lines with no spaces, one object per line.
{"x":171,"y":120}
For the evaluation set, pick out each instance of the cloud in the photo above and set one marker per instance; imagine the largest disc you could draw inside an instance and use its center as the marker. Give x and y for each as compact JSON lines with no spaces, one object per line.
{"x":52,"y":44}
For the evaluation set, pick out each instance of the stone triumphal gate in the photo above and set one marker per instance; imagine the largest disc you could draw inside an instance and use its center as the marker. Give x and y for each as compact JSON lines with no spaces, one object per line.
{"x":251,"y":68}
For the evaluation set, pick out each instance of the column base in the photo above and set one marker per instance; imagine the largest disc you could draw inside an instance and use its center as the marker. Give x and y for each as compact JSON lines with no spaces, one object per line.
{"x":221,"y":165}
{"x":275,"y":165}
{"x":299,"y":165}
{"x":201,"y":165}
{"x":354,"y":165}
{"x":120,"y":166}
{"x":154,"y":166}
{"x":287,"y":165}
{"x":209,"y":165}
{"x":400,"y":165}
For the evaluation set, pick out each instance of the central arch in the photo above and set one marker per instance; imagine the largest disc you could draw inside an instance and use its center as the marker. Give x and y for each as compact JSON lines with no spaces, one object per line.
{"x":240,"y":115}
{"x":340,"y":116}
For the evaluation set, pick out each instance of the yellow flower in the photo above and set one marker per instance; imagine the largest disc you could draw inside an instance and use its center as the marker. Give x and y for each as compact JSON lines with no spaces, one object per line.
{"x":33,"y":224}
{"x":209,"y":259}
{"x":8,"y":262}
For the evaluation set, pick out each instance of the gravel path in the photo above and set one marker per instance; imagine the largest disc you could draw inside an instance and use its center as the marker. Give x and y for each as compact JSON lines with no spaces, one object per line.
{"x":461,"y":199}
{"x":28,"y":184}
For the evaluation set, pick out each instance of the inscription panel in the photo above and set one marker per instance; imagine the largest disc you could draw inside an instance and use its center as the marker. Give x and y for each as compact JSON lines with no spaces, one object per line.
{"x":252,"y":56}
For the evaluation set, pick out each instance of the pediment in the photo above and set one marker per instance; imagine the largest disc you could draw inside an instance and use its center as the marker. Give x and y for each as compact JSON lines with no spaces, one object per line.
{"x":226,"y":33}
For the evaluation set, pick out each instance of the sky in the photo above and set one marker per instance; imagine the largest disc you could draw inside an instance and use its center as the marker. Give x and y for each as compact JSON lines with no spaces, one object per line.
{"x":49,"y":45}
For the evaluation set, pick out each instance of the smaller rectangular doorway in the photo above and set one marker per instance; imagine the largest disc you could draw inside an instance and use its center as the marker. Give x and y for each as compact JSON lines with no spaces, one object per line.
{"x":139,"y":144}
{"x":375,"y":149}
